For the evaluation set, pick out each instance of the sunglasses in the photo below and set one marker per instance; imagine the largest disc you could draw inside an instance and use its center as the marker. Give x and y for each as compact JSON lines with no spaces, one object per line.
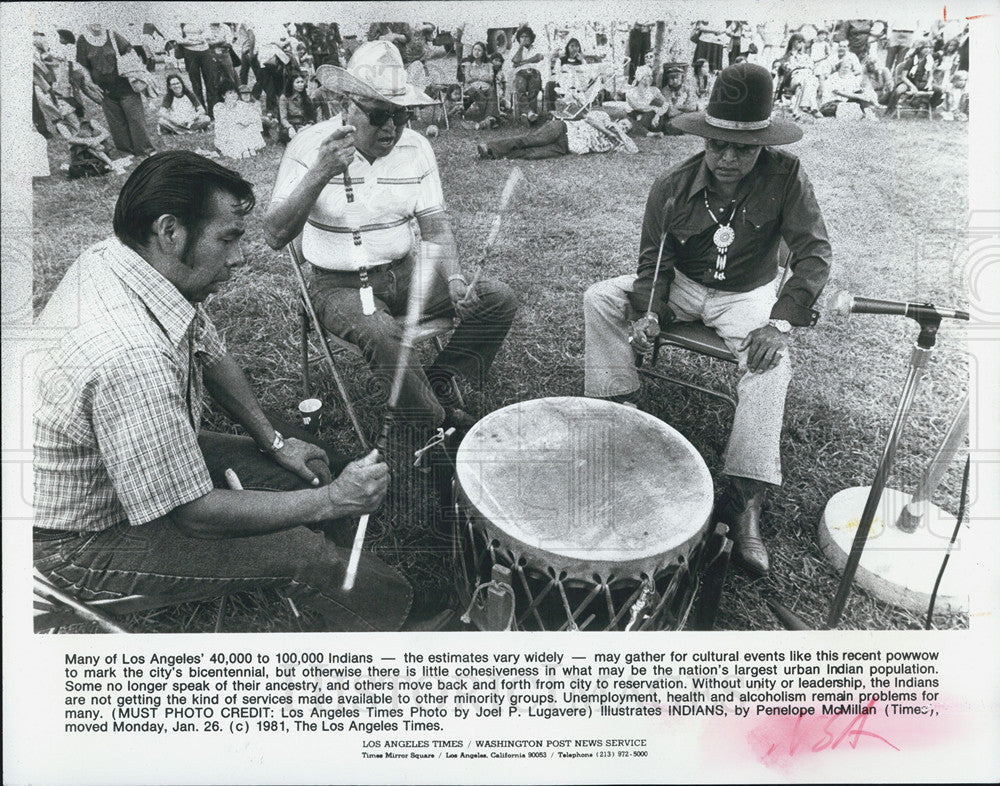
{"x":719,"y":147}
{"x":379,"y":117}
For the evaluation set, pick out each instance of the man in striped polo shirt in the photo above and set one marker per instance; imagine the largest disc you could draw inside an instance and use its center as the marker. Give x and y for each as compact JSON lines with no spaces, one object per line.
{"x":351,"y":186}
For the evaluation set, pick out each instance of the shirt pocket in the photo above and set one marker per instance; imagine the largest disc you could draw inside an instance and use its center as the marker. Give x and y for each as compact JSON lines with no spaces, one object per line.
{"x":759,"y":217}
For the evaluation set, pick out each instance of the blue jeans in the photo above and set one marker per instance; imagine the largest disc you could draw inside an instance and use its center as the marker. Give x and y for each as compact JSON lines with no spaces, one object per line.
{"x":469,"y":353}
{"x":159,"y":559}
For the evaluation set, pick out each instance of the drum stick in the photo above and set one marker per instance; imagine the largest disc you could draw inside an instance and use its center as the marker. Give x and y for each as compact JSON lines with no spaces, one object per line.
{"x":420,"y":284}
{"x":352,"y":563}
{"x":656,"y":274}
{"x":513,"y":180}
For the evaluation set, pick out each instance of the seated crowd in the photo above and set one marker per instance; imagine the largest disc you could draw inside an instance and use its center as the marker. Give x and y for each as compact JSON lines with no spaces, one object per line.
{"x":264,"y":82}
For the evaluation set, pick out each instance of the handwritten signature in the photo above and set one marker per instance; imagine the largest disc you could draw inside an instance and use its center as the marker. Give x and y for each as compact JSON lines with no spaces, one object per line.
{"x":808,"y":736}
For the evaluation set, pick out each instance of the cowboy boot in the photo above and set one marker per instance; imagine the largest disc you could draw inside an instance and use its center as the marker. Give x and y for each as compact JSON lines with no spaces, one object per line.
{"x":741,"y":510}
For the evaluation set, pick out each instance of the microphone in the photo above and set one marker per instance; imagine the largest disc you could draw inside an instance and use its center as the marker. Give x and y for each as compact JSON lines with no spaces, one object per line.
{"x":845,"y":303}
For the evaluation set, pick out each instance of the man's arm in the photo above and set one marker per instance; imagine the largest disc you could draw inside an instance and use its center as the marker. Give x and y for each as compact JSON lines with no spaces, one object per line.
{"x":804,"y":231}
{"x":221,"y":513}
{"x":286,"y":218}
{"x":228,"y":385}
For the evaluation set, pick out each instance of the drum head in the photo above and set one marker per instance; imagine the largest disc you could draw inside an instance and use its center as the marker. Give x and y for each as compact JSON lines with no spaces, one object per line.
{"x":585,"y":484}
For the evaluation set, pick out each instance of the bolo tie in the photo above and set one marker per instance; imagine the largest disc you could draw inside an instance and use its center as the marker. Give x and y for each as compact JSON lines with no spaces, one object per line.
{"x":723,"y":238}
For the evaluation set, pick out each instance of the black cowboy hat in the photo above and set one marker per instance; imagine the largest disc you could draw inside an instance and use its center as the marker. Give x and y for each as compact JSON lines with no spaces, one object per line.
{"x":740,"y":110}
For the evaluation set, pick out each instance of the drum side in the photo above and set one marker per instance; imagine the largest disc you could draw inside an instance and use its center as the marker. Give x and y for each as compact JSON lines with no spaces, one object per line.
{"x":585,"y":486}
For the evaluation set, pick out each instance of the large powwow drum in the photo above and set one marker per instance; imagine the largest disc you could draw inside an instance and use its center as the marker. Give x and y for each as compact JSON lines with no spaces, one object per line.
{"x":594,"y":511}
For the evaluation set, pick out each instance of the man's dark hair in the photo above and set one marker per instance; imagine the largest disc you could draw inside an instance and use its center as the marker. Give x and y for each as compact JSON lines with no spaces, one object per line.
{"x":178,"y":183}
{"x":521,"y":31}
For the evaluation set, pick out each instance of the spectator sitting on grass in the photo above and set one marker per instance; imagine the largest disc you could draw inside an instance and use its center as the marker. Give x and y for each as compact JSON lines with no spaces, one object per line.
{"x":843,"y":86}
{"x":877,"y":78}
{"x":180,"y":112}
{"x":647,"y":106}
{"x":295,"y":108}
{"x":595,"y":133}
{"x":678,"y":95}
{"x":237,"y":125}
{"x":89,"y":142}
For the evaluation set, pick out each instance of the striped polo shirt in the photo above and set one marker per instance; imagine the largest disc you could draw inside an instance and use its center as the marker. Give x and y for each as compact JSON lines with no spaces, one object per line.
{"x":388,"y":194}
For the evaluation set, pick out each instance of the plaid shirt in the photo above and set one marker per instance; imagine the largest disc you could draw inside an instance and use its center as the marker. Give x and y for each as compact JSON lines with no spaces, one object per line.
{"x":119,"y":395}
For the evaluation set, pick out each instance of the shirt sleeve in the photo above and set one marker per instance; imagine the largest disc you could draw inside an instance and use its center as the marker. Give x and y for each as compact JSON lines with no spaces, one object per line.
{"x":300,"y":154}
{"x":430,"y":195}
{"x":804,"y":231}
{"x":658,"y":207}
{"x":145,"y":437}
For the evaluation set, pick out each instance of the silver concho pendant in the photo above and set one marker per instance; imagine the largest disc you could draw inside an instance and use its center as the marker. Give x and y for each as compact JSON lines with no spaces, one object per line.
{"x":724,"y":237}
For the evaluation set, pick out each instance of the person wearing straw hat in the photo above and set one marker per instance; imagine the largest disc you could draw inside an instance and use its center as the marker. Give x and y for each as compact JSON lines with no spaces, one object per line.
{"x":708,"y":251}
{"x":351,"y":186}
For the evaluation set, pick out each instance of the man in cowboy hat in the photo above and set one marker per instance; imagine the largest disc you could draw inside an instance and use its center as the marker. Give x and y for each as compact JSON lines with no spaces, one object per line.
{"x":356,"y":233}
{"x":714,"y":223}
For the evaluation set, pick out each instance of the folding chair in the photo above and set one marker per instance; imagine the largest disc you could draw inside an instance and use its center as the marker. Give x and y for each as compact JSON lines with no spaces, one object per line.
{"x":916,"y":102}
{"x":56,"y":608}
{"x":451,"y":99}
{"x":431,"y":329}
{"x":697,"y":337}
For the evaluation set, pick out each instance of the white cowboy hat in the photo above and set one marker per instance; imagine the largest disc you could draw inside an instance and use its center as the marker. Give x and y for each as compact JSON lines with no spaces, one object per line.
{"x":375,"y":71}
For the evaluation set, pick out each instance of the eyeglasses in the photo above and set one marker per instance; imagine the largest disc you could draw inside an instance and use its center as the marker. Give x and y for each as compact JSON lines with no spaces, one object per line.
{"x":379,"y":117}
{"x":719,"y":147}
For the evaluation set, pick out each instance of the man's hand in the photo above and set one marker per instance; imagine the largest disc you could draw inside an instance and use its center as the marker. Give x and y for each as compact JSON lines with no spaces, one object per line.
{"x":765,"y":347}
{"x":336,"y":152}
{"x":463,"y":297}
{"x":361,"y":487}
{"x":296,"y":456}
{"x":643,"y":333}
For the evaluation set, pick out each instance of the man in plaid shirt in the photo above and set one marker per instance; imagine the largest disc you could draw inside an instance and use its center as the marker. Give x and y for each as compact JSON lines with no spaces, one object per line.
{"x":130,"y":497}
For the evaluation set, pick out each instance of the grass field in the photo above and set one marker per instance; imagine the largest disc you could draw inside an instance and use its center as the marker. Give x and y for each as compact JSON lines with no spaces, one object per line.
{"x":894,"y":198}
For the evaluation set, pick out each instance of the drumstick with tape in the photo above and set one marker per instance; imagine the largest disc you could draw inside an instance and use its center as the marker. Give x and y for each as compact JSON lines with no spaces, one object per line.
{"x":420,"y":285}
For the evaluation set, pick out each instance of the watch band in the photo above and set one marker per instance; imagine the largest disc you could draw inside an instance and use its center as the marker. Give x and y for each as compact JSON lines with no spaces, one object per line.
{"x":781,"y":325}
{"x":276,"y":445}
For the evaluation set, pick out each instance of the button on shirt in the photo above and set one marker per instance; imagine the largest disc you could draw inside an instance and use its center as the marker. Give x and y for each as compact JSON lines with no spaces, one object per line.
{"x":774,"y":201}
{"x":388,"y":194}
{"x":119,"y":395}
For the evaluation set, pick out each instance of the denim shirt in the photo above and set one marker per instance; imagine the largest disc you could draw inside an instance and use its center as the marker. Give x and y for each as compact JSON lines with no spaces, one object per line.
{"x":774,"y":201}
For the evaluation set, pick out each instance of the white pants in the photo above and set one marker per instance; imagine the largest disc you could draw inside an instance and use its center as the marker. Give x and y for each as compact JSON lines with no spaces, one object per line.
{"x":609,"y":363}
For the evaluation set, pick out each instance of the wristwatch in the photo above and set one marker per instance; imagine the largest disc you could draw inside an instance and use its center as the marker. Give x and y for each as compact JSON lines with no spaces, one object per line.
{"x":278,"y":444}
{"x":781,"y":325}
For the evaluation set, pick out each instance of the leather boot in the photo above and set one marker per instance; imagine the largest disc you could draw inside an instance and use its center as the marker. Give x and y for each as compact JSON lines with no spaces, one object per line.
{"x":740,"y":510}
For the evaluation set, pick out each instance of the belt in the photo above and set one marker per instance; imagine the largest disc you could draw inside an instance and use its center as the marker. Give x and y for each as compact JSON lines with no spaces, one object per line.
{"x":43,"y":533}
{"x":354,"y":276}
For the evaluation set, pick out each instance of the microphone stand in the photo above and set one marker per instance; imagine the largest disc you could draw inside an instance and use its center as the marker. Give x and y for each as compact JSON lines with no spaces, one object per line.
{"x":919,"y":358}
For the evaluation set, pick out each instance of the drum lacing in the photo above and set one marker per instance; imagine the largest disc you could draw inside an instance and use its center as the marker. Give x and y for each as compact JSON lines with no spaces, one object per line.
{"x":502,"y":586}
{"x":641,"y":602}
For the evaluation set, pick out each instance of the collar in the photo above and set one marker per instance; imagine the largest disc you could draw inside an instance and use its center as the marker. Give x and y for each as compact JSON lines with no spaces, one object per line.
{"x":164,"y":301}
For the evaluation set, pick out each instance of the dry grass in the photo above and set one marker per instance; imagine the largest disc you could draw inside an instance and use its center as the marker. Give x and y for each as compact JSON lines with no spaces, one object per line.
{"x":894,"y":197}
